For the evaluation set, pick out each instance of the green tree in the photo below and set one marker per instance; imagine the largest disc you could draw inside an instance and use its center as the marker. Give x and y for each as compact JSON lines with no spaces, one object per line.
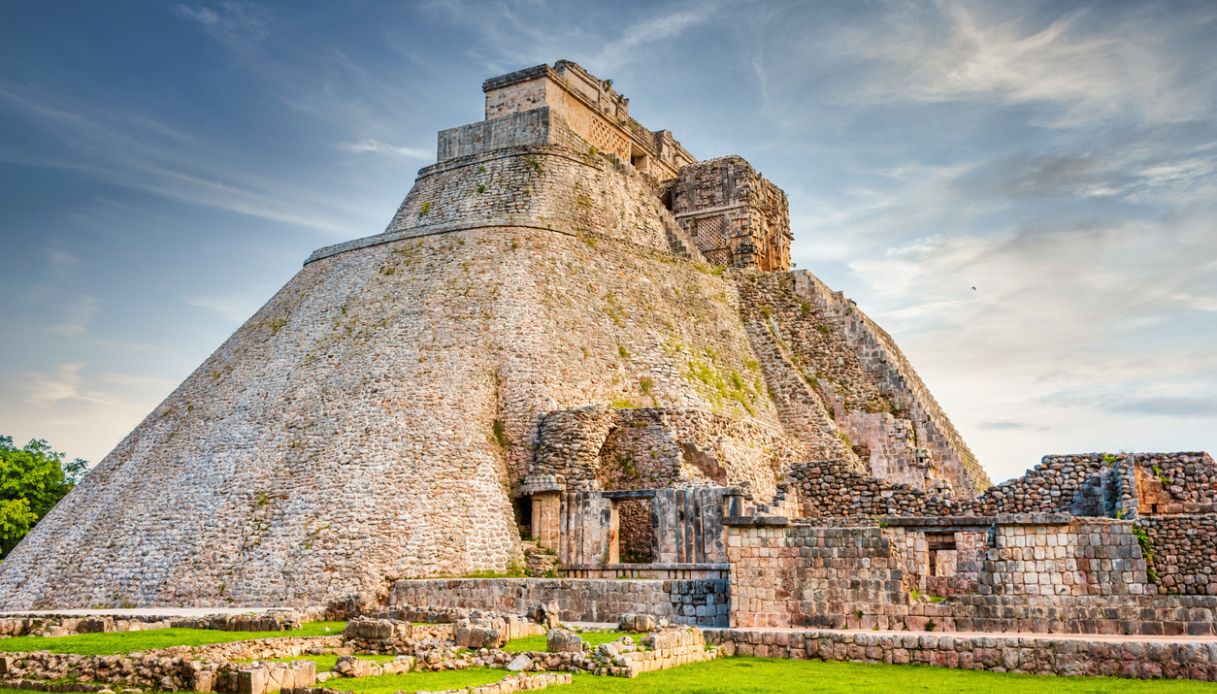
{"x":32,"y":480}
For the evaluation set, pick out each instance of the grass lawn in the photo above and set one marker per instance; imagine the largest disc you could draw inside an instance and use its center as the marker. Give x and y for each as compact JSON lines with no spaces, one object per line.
{"x":767,"y":676}
{"x":414,"y":681}
{"x":130,"y":641}
{"x":595,"y":638}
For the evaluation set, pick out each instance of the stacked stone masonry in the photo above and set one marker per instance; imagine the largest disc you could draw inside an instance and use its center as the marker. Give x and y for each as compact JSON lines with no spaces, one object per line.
{"x":1033,"y":573}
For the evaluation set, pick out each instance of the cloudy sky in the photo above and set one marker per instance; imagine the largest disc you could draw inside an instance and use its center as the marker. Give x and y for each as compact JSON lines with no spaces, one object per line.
{"x":165,"y":167}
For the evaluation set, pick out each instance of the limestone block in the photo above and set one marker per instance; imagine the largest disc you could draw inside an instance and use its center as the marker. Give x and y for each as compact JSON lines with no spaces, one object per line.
{"x":520,"y":663}
{"x":563,"y":641}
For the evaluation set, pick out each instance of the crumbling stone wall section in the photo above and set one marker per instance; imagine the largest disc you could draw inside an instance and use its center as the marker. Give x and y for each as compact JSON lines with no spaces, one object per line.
{"x":832,"y":489}
{"x":733,"y":214}
{"x":1183,"y":552}
{"x":1085,"y":484}
{"x":600,"y":447}
{"x":1088,"y":484}
{"x":1173,"y":483}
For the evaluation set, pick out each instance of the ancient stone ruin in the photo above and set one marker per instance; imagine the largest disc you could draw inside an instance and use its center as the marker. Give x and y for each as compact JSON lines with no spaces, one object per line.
{"x":577,"y":352}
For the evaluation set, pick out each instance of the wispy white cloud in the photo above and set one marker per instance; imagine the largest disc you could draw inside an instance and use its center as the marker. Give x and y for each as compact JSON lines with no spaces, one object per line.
{"x":369,"y":145}
{"x":62,"y":263}
{"x":47,"y":389}
{"x":85,"y":419}
{"x":234,"y":308}
{"x":633,"y":42}
{"x":75,"y":315}
{"x":139,"y":151}
{"x":1090,"y":69}
{"x":236,"y":24}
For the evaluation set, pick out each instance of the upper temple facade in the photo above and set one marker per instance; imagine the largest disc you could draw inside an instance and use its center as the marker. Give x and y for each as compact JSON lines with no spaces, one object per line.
{"x":735,"y":216}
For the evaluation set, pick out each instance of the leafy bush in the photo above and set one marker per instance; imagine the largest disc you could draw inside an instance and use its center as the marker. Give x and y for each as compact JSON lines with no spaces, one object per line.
{"x":32,"y":480}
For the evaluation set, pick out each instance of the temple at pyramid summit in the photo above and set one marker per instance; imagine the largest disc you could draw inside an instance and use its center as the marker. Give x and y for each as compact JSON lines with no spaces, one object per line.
{"x":578,"y":356}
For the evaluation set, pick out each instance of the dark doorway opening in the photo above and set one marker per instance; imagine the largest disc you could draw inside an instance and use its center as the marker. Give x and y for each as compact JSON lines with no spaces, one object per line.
{"x":636,"y":531}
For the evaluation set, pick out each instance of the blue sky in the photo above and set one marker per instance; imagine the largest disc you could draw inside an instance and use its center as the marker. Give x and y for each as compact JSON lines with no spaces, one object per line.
{"x":165,"y":167}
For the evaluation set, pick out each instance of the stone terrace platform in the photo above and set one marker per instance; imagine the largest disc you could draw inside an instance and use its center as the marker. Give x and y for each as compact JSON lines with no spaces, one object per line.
{"x":1146,"y":657}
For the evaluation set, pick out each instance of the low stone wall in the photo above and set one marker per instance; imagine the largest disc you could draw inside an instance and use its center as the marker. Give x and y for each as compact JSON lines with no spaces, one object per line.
{"x":161,"y":673}
{"x":701,"y":602}
{"x":1033,"y":655}
{"x":510,"y":683}
{"x":668,"y":649}
{"x":392,"y":636}
{"x":42,"y":624}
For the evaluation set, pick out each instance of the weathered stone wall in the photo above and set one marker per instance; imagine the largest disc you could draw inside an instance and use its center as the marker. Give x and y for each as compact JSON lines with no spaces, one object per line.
{"x":735,"y":216}
{"x":541,"y":126}
{"x":547,"y":187}
{"x":1093,"y":556}
{"x":44,"y":624}
{"x":1033,"y":574}
{"x":1089,"y":484}
{"x":1173,"y":483}
{"x":831,"y":489}
{"x":217,"y":667}
{"x":701,"y":602}
{"x":1183,"y":551}
{"x":997,"y":653}
{"x":1059,"y":483}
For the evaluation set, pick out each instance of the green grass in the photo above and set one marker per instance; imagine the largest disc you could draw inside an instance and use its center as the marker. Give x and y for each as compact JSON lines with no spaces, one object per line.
{"x":131,"y":641}
{"x":769,"y":676}
{"x":414,"y":681}
{"x":765,"y":676}
{"x":595,"y":638}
